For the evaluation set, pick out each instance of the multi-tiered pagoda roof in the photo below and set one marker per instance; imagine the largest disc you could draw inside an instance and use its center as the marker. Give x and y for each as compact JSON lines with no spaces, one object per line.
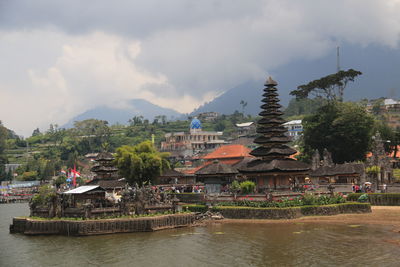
{"x":106,"y":174}
{"x":273,"y":153}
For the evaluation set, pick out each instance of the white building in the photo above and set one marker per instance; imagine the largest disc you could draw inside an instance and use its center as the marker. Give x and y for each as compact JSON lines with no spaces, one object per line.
{"x":194,"y":140}
{"x":295,"y":128}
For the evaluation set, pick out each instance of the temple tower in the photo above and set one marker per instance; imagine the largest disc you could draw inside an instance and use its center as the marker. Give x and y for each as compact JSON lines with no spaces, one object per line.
{"x":273,"y":167}
{"x":272,"y":141}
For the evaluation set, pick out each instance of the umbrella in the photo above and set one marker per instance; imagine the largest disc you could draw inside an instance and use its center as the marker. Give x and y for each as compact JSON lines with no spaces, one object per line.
{"x":368,"y":183}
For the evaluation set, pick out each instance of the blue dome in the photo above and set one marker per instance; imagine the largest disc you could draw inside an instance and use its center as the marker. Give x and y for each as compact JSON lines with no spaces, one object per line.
{"x":195,"y":124}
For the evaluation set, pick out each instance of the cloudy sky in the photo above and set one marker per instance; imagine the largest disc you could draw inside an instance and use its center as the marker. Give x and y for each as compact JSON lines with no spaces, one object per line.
{"x":60,"y":58}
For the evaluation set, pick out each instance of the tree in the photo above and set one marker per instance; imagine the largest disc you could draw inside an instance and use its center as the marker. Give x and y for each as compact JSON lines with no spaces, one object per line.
{"x":36,"y":132}
{"x":95,"y":132}
{"x":136,"y":120}
{"x":330,"y":87}
{"x":345,"y":129}
{"x":243,"y":104}
{"x":306,"y":106}
{"x":141,"y":164}
{"x":3,"y":159}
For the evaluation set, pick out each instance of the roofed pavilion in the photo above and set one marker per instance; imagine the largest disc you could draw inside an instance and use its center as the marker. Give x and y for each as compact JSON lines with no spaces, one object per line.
{"x":273,"y":168}
{"x":106,"y":174}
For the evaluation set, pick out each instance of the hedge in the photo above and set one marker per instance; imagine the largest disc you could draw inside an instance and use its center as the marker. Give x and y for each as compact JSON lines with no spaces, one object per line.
{"x":378,"y":199}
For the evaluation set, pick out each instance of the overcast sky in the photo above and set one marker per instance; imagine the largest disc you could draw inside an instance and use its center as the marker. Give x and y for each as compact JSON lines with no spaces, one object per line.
{"x":61,"y":58}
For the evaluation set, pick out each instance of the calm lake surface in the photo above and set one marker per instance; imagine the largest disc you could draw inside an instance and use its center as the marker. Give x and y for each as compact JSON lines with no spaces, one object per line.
{"x":214,"y":245}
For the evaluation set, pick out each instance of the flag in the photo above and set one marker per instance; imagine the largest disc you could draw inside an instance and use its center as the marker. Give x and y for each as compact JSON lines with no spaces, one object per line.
{"x":75,"y":174}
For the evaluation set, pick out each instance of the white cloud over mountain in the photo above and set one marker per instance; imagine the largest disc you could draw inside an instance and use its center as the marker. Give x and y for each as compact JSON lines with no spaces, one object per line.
{"x":60,"y":58}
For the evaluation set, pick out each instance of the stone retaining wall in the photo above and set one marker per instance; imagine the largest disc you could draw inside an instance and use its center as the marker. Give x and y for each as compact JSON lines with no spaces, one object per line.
{"x":378,"y":199}
{"x":291,"y":213}
{"x":96,"y":227}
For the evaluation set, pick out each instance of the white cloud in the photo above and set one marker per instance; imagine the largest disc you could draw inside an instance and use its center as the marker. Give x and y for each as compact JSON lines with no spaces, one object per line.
{"x":90,"y":70}
{"x":57,"y":63}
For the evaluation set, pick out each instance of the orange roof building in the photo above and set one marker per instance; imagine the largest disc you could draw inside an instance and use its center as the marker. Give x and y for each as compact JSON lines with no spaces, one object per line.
{"x":228,"y":152}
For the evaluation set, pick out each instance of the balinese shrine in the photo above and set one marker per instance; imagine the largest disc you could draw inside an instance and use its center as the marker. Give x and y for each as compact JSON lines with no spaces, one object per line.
{"x":106,"y":174}
{"x":273,"y":168}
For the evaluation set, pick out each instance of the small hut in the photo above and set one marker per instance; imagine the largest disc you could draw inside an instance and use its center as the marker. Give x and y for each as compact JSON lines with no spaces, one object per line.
{"x":216,"y":176}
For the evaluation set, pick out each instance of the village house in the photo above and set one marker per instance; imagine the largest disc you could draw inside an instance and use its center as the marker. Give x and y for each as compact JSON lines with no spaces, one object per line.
{"x":294,"y":129}
{"x":208,"y":116}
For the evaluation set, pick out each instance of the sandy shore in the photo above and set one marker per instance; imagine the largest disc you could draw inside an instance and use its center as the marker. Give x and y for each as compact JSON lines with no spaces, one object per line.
{"x":380,"y":215}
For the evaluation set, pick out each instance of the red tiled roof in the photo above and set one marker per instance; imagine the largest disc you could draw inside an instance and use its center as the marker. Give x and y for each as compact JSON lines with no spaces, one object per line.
{"x":229,"y":151}
{"x":230,"y":161}
{"x":192,"y":170}
{"x":224,"y":161}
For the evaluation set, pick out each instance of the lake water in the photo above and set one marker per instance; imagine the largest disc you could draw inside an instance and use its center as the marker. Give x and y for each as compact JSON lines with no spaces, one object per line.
{"x":235,"y":244}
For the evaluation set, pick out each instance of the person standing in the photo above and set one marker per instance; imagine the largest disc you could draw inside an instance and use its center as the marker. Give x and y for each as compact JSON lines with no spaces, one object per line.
{"x":384,"y":188}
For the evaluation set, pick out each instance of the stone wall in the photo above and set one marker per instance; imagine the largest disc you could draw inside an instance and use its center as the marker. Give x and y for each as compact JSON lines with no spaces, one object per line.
{"x":378,"y":199}
{"x":291,"y":213}
{"x":190,"y":197}
{"x":258,"y":213}
{"x":96,"y":227}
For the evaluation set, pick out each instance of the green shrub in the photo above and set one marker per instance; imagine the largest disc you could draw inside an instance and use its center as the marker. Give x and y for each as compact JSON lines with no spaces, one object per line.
{"x":247,"y":187}
{"x":235,"y":187}
{"x":363,"y":198}
{"x":45,"y":196}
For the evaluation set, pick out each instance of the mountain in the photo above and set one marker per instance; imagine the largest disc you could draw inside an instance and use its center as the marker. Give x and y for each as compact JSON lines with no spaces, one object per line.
{"x":378,"y":64}
{"x":138,"y":107}
{"x":229,"y":101}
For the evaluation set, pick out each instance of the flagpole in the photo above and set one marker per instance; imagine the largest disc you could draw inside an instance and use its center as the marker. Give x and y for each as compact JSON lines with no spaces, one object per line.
{"x":74,"y":181}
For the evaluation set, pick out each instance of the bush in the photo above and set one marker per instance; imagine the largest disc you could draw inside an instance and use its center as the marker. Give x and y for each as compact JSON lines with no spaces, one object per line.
{"x":363,"y":198}
{"x":247,"y":187}
{"x":45,"y":196}
{"x":235,"y":187}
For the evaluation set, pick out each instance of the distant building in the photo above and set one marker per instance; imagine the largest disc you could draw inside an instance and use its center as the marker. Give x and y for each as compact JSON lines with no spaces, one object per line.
{"x":389,"y":109}
{"x":208,"y":116}
{"x":246,"y":129}
{"x":392,"y":113}
{"x":188,"y":143}
{"x":11,"y":167}
{"x":245,"y":133}
{"x":295,"y":129}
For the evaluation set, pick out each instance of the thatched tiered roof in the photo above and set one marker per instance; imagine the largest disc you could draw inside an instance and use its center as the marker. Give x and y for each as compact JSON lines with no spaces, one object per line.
{"x":273,"y":152}
{"x":217,"y":168}
{"x":104,"y":167}
{"x":339,"y":169}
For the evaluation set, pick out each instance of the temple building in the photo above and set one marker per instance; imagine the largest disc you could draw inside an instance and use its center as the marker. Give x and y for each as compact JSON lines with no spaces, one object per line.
{"x":183,"y":144}
{"x":273,"y":169}
{"x":106,"y":174}
{"x":216,"y":176}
